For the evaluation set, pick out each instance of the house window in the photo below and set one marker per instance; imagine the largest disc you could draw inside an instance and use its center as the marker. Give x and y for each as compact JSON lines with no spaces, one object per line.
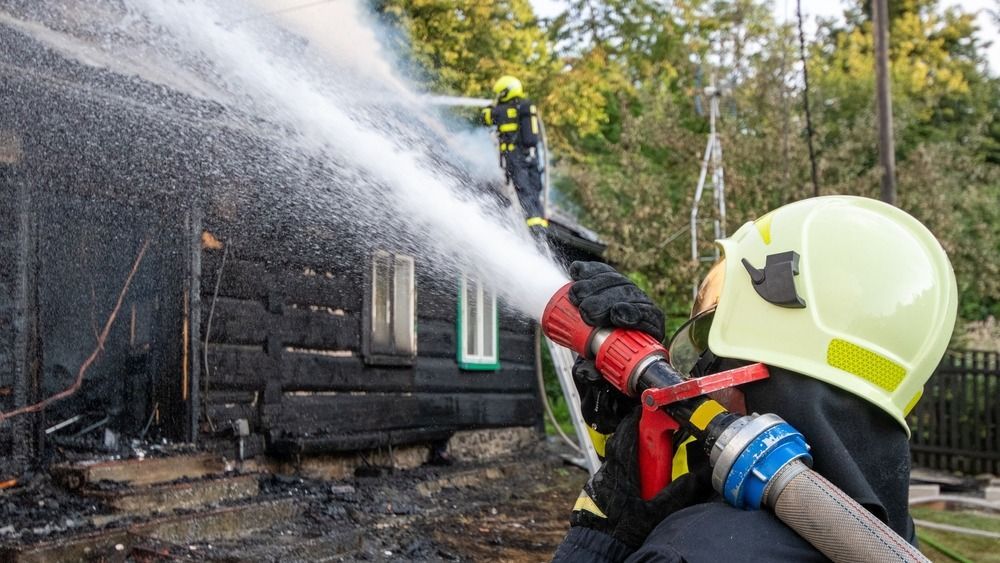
{"x":478,"y":340}
{"x":391,"y":335}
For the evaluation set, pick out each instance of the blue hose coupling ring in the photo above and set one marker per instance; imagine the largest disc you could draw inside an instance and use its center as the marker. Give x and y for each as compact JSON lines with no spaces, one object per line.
{"x":761,"y":446}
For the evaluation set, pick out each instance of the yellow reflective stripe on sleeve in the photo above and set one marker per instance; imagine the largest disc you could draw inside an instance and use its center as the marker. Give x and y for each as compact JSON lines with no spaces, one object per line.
{"x":680,"y":464}
{"x":488,"y":116}
{"x":508,"y":127}
{"x":534,"y":110}
{"x":511,"y":112}
{"x":537,"y":221}
{"x":705,"y":413}
{"x":534,"y":125}
{"x":599,"y":440}
{"x":587,"y":504}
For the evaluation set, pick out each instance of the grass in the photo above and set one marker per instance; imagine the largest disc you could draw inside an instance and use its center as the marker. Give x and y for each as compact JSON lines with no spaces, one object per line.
{"x":961,"y":546}
{"x":561,"y":412}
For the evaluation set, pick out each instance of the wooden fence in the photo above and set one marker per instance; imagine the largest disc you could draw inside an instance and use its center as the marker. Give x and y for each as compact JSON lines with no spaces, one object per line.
{"x":956,"y":425}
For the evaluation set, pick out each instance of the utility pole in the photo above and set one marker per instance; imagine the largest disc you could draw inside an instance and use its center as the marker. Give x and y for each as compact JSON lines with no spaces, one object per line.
{"x":886,"y":145}
{"x":805,"y":100}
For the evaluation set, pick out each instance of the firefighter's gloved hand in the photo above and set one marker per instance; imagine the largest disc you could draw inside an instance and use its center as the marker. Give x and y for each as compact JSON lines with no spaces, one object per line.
{"x":611,"y":503}
{"x":486,"y":115}
{"x":603,"y":407}
{"x":607,"y":299}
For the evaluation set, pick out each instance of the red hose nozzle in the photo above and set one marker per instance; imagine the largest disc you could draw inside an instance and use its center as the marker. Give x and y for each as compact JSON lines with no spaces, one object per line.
{"x":620,"y":354}
{"x":562,"y":322}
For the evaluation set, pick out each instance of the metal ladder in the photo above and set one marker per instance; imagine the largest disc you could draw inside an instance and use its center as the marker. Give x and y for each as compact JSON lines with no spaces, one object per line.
{"x":562,"y":360}
{"x":713,"y":158}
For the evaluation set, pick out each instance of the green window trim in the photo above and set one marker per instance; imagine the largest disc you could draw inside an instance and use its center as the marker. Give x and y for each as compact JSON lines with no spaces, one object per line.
{"x":479,"y":361}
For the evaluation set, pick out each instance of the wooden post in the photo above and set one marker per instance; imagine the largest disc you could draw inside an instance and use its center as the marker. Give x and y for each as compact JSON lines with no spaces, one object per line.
{"x":886,"y":145}
{"x":192,"y":299}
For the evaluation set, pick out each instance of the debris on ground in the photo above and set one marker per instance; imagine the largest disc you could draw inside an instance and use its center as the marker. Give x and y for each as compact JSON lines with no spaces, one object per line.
{"x":509,"y":509}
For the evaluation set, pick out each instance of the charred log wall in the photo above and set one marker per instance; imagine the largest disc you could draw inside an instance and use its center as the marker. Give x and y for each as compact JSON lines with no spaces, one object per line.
{"x":286,"y":354}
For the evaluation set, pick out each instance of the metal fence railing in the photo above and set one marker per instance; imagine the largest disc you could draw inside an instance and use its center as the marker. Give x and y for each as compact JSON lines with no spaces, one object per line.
{"x":956,"y":425}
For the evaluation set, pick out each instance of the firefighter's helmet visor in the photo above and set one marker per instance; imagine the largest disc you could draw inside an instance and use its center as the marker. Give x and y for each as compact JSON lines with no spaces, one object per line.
{"x":690,"y":342}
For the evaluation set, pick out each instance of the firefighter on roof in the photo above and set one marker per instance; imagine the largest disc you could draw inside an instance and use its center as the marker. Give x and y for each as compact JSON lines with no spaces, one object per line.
{"x":517,"y":125}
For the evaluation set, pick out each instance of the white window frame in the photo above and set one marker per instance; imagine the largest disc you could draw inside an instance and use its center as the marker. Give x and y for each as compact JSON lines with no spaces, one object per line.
{"x":397,"y":344}
{"x":478,"y":359}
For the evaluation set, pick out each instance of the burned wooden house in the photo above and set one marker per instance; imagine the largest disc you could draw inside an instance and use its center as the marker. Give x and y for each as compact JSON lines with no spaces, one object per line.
{"x":234,"y":327}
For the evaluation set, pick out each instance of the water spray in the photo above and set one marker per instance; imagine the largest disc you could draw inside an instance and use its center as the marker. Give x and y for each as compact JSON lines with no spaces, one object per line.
{"x":757,"y":460}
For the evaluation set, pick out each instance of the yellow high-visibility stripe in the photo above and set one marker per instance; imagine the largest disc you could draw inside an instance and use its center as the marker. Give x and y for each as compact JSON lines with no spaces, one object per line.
{"x":508,"y":127}
{"x":705,"y":413}
{"x":488,"y":116}
{"x":534,"y":125}
{"x":537,"y":221}
{"x":511,"y":112}
{"x":534,"y":110}
{"x":680,"y":465}
{"x":585,"y":503}
{"x":599,"y":440}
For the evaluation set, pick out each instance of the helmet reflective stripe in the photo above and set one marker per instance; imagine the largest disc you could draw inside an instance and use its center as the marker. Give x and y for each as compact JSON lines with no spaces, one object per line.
{"x":879,"y":292}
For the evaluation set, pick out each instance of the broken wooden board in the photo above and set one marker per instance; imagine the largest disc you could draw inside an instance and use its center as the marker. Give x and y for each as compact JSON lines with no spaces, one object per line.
{"x":187,"y":495}
{"x":115,"y":544}
{"x":220,"y":524}
{"x":105,"y":545}
{"x":139,"y":472}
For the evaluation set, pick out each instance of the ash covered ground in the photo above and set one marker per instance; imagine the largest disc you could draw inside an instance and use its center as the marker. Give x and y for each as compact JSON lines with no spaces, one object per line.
{"x":509,"y":509}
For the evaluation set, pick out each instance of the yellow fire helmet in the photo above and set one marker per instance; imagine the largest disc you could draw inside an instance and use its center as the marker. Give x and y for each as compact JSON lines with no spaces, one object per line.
{"x":847,"y":290}
{"x":507,"y":88}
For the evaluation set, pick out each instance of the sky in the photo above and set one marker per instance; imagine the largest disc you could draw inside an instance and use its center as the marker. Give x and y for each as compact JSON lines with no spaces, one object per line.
{"x":785,"y":10}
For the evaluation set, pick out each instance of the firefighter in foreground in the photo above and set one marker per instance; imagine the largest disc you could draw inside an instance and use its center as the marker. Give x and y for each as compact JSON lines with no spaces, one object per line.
{"x":849,"y":301}
{"x":516,"y":121}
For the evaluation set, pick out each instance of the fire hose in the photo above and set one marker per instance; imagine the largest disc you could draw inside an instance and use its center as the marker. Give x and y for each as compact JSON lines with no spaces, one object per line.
{"x":757,"y":460}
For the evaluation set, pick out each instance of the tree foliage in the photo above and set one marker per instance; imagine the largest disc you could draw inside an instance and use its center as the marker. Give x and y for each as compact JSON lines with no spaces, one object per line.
{"x":620,"y":85}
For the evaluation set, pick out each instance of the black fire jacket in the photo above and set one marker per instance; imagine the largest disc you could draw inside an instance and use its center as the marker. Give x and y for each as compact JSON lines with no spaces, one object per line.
{"x":855,"y":445}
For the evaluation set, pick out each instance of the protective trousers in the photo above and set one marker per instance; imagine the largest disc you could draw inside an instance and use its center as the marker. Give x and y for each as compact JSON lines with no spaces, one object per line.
{"x":527,"y":179}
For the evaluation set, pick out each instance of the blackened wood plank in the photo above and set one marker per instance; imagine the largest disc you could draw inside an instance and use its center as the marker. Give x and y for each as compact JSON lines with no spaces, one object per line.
{"x":437,"y":304}
{"x":436,"y":338}
{"x":515,"y":322}
{"x":249,"y":368}
{"x":223,"y":414}
{"x":239,"y":367}
{"x":517,"y":347}
{"x":318,"y":373}
{"x":238,"y":321}
{"x":231,"y":397}
{"x":345,"y":413}
{"x":245,"y":279}
{"x":318,"y":415}
{"x":285,"y":444}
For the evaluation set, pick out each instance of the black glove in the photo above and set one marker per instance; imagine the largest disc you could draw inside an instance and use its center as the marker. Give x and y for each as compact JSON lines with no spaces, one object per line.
{"x":611,"y":502}
{"x":607,"y":299}
{"x":601,"y":405}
